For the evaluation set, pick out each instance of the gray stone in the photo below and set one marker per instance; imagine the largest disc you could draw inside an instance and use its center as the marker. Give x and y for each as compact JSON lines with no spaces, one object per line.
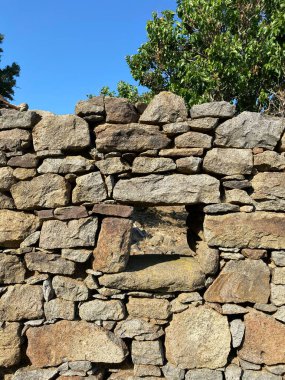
{"x":171,"y":372}
{"x":112,"y":165}
{"x":277,"y":294}
{"x":28,"y":160}
{"x":278,"y":369}
{"x":69,"y":234}
{"x":129,"y":138}
{"x":204,"y":124}
{"x":259,"y":375}
{"x":35,"y":374}
{"x":237,"y":184}
{"x":278,"y":276}
{"x":11,"y":269}
{"x":220,"y":109}
{"x":102,"y":310}
{"x":239,"y":197}
{"x":138,"y":329}
{"x":205,"y":345}
{"x":147,"y":352}
{"x":250,"y":130}
{"x":70,"y":289}
{"x":15,"y":139}
{"x":3,"y":160}
{"x":165,"y":108}
{"x":68,"y":164}
{"x":142,"y":370}
{"x":228,"y":161}
{"x":204,"y":374}
{"x":193,"y":140}
{"x":174,"y":189}
{"x":92,"y":106}
{"x":61,"y":132}
{"x":21,"y":302}
{"x":89,"y":188}
{"x":237,"y":330}
{"x":59,"y":309}
{"x":232,"y":309}
{"x":221,"y":208}
{"x":154,"y":272}
{"x":48,"y":263}
{"x":189,"y":165}
{"x":269,"y":191}
{"x":181,"y":152}
{"x":269,"y":161}
{"x":152,"y":165}
{"x":278,"y":257}
{"x":149,"y":308}
{"x":71,"y":212}
{"x":233,"y":372}
{"x":173,"y":129}
{"x":280,"y":314}
{"x":208,"y":258}
{"x":31,"y":240}
{"x":6,"y":202}
{"x":10,"y":119}
{"x":76,"y":255}
{"x":6,"y":178}
{"x":120,"y":110}
{"x":47,"y":190}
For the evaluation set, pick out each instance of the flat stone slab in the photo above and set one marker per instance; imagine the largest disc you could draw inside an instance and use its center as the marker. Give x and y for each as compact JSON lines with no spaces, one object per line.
{"x":157,"y":272}
{"x":246,"y":230}
{"x":172,"y":189}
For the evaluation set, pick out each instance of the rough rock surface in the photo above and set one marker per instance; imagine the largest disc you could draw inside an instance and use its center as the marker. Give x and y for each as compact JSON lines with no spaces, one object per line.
{"x":214,"y":109}
{"x":102,"y":310}
{"x":120,"y":110}
{"x":193,"y":140}
{"x":264,"y":341}
{"x":111,"y":254}
{"x":36,"y":374}
{"x":165,"y":108}
{"x":204,"y":374}
{"x":250,"y":130}
{"x":253,"y":230}
{"x":112,"y":165}
{"x":89,"y":188}
{"x":92,"y":106}
{"x":6,"y":178}
{"x":152,"y":165}
{"x":138,"y":329}
{"x":12,"y":270}
{"x":20,"y":225}
{"x":47,"y":190}
{"x":59,"y":309}
{"x":157,"y":273}
{"x":241,"y":281}
{"x":269,"y":191}
{"x":61,"y":132}
{"x":147,"y":352}
{"x":205,"y":345}
{"x":68,"y":164}
{"x":73,"y":233}
{"x":69,"y":289}
{"x":10,"y":341}
{"x":48,"y":263}
{"x":150,"y":308}
{"x":10,"y":119}
{"x":14,"y":139}
{"x":73,"y":340}
{"x":173,"y":189}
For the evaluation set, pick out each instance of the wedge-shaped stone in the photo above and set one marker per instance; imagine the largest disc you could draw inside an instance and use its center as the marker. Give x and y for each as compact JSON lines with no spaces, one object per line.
{"x":156,"y":272}
{"x":21,"y":302}
{"x":165,"y":108}
{"x":241,"y":281}
{"x":228,"y":161}
{"x":89,"y":188}
{"x":174,"y":189}
{"x":61,"y":132}
{"x":250,"y":130}
{"x":15,"y":139}
{"x":269,"y":191}
{"x":264,"y":340}
{"x":15,"y":227}
{"x":213,"y":109}
{"x":193,"y":140}
{"x":112,"y":310}
{"x":246,"y":230}
{"x":129,"y":138}
{"x":204,"y":339}
{"x":48,"y":263}
{"x":10,"y":119}
{"x":73,"y":233}
{"x":10,"y":341}
{"x":113,"y":247}
{"x":47,"y":190}
{"x":69,"y":164}
{"x":63,"y":341}
{"x":11,"y":269}
{"x":152,"y":165}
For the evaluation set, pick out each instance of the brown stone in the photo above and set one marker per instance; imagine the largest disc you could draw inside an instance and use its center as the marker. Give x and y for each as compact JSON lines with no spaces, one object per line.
{"x":120,"y":110}
{"x":28,"y":160}
{"x":71,"y":212}
{"x":204,"y":124}
{"x":48,"y":263}
{"x":254,"y":254}
{"x":54,"y":344}
{"x":246,"y":230}
{"x":181,"y":152}
{"x":69,"y":289}
{"x":21,"y":302}
{"x":10,"y":341}
{"x":22,"y":173}
{"x":6,"y":202}
{"x":11,"y":269}
{"x":264,"y":340}
{"x":122,"y":211}
{"x":269,"y":191}
{"x":150,"y":308}
{"x":15,"y":139}
{"x":113,"y":247}
{"x":241,"y":281}
{"x":193,"y":140}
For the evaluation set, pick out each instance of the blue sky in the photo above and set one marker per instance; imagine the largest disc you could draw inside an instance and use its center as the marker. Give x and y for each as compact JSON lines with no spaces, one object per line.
{"x":70,"y":48}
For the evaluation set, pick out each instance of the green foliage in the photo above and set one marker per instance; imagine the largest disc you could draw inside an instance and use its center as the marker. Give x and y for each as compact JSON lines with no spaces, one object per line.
{"x":125,"y":90}
{"x":7,"y":77}
{"x":215,"y":50}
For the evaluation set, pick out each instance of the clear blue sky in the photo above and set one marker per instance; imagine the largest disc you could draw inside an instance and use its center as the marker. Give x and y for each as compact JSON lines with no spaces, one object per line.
{"x":70,"y":48}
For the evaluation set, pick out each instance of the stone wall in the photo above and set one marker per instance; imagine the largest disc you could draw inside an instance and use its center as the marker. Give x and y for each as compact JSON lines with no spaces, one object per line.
{"x":87,"y":293}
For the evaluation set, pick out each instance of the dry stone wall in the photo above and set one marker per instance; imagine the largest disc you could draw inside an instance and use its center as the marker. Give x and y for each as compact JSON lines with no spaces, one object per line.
{"x":74,"y":304}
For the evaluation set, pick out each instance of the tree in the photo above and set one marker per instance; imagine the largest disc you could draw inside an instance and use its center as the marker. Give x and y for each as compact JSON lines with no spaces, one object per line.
{"x":215,"y":50}
{"x":7,"y":77}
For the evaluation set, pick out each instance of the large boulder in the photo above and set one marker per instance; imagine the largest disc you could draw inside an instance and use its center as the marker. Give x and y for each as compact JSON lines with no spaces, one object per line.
{"x":251,"y":230}
{"x":69,"y":234}
{"x":165,"y":108}
{"x":241,"y":281}
{"x":47,"y":190}
{"x":15,"y":227}
{"x":223,"y":110}
{"x":269,"y":191}
{"x":61,"y":132}
{"x":10,"y":119}
{"x":264,"y":340}
{"x":54,"y":344}
{"x":199,"y":337}
{"x":172,"y":189}
{"x":10,"y":342}
{"x":155,"y":272}
{"x":250,"y":130}
{"x":129,"y":138}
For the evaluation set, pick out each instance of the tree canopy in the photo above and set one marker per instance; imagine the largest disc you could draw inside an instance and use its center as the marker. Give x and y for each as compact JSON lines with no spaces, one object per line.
{"x":215,"y":50}
{"x":7,"y":76}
